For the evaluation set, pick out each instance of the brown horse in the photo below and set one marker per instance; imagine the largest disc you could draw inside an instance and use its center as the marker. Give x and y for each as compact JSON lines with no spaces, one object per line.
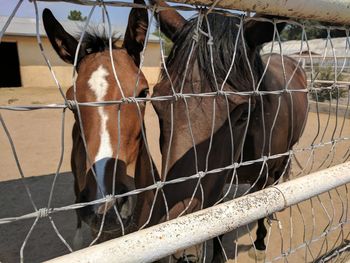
{"x":215,"y":54}
{"x":107,"y":140}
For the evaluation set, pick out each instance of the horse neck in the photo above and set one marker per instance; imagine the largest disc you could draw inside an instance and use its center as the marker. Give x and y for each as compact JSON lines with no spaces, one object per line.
{"x":145,"y":174}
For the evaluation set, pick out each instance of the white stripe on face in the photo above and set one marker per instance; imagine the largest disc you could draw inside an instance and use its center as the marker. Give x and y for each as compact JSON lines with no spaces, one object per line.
{"x":99,"y":85}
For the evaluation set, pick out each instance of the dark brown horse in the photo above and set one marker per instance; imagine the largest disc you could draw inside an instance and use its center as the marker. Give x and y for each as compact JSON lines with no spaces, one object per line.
{"x":213,"y":53}
{"x":107,"y":140}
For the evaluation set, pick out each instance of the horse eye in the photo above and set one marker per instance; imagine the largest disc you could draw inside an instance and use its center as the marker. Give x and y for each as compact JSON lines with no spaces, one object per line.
{"x":244,"y":115}
{"x":143,"y":93}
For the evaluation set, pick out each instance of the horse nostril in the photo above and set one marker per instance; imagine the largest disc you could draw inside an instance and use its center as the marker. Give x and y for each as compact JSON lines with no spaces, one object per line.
{"x":103,"y":208}
{"x":126,"y":206}
{"x":121,"y":201}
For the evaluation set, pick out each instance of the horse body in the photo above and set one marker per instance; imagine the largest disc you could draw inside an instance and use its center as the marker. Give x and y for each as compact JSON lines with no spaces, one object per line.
{"x":200,"y":134}
{"x":107,"y":140}
{"x":276,"y":124}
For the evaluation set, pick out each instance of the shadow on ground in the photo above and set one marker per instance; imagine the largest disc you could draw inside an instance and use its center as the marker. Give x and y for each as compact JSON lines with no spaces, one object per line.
{"x":44,"y":243}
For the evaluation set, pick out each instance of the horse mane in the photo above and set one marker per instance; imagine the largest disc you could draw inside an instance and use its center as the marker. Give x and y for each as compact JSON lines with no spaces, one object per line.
{"x":224,"y":30}
{"x":95,"y":41}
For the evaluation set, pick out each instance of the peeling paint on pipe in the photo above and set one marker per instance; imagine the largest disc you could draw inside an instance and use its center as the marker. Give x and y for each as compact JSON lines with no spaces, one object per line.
{"x":336,"y":11}
{"x":164,"y":239}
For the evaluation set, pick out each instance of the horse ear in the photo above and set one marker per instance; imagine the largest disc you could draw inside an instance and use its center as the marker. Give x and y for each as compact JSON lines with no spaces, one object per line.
{"x":170,"y":21}
{"x":258,"y":32}
{"x":136,"y":32}
{"x":64,"y":44}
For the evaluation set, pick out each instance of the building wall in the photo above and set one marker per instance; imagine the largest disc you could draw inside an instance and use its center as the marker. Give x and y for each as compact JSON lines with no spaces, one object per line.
{"x":35,"y":72}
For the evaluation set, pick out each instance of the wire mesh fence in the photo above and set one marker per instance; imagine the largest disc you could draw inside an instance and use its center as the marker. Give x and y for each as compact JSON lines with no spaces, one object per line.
{"x":235,"y":117}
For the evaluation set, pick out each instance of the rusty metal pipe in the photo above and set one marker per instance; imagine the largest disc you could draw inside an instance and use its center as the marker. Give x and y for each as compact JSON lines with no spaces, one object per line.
{"x":156,"y":242}
{"x":335,"y":11}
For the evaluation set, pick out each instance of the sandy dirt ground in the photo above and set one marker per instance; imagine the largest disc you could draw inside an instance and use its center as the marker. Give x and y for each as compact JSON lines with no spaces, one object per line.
{"x":36,"y":135}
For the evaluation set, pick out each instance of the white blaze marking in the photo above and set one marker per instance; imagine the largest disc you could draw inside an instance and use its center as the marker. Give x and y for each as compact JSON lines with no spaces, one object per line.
{"x":99,"y":85}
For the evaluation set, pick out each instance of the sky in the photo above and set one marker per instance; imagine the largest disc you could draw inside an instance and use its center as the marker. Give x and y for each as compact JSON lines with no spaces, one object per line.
{"x":118,"y":15}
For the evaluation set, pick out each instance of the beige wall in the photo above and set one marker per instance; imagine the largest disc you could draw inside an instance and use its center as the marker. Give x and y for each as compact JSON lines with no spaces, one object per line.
{"x":35,"y":73}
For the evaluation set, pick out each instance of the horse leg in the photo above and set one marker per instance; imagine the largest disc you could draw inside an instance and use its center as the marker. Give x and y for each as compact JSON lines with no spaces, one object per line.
{"x":188,"y":259}
{"x":194,"y":254}
{"x":260,"y":235}
{"x":258,"y":253}
{"x":78,"y":237}
{"x":218,"y":255}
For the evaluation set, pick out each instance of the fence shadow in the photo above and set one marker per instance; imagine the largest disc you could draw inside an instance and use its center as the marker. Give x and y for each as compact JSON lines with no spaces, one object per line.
{"x":44,"y":243}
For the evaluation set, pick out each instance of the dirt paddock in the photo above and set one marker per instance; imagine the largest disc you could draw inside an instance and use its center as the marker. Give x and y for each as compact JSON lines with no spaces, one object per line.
{"x":36,"y":135}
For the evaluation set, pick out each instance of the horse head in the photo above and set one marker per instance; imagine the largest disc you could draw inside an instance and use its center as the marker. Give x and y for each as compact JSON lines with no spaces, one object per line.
{"x":218,"y":56}
{"x":107,"y":139}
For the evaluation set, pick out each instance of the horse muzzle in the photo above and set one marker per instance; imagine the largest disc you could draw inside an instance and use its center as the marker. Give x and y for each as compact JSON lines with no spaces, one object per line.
{"x":122,"y":206}
{"x":112,"y":218}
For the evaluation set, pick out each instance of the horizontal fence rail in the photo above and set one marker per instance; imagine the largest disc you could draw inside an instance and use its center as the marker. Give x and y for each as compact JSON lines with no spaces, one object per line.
{"x":156,"y":242}
{"x":336,"y":11}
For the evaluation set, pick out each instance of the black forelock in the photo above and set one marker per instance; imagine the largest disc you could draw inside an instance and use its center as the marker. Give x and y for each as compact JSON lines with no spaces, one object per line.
{"x":224,"y":31}
{"x":96,"y":41}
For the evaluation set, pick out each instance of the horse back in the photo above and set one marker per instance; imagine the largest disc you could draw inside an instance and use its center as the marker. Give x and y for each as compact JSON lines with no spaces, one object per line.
{"x":286,"y":74}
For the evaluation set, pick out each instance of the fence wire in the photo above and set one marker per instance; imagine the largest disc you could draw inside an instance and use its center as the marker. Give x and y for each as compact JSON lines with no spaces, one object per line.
{"x":316,"y":230}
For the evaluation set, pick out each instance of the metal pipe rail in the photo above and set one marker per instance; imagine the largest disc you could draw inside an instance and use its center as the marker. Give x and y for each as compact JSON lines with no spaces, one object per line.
{"x":335,"y":11}
{"x":164,"y":239}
